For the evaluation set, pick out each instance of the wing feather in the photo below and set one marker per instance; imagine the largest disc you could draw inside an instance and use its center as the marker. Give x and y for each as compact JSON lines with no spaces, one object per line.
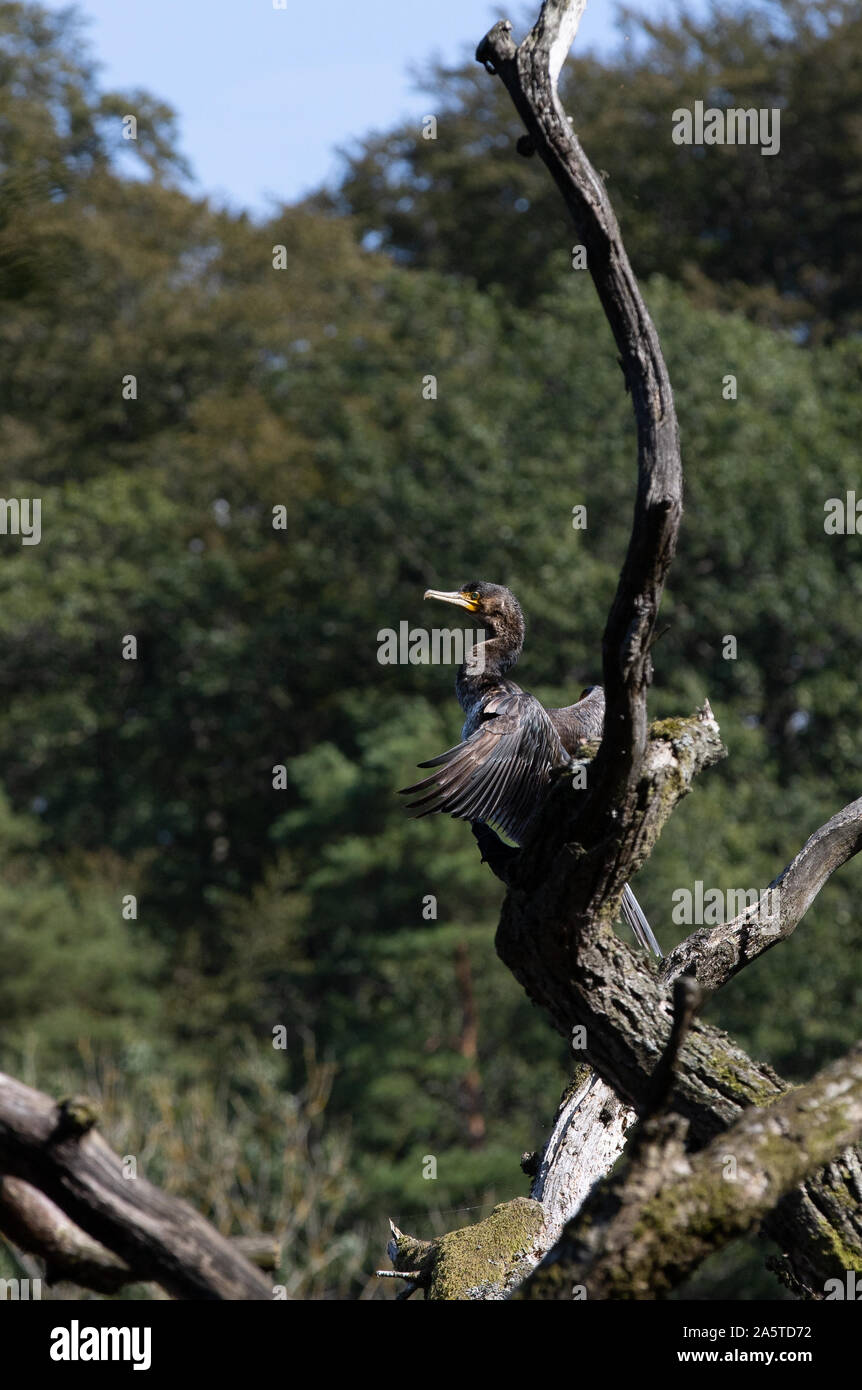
{"x":499,"y":774}
{"x":583,"y":720}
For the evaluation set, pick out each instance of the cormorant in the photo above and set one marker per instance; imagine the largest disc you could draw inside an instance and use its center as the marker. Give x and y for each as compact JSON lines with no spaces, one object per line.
{"x":510,"y":745}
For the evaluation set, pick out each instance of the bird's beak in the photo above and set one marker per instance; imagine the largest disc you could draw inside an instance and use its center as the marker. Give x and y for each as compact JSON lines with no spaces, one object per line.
{"x":454,"y":597}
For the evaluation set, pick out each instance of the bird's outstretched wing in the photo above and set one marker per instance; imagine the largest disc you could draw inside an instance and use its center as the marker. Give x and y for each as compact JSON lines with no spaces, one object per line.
{"x":498,"y":773}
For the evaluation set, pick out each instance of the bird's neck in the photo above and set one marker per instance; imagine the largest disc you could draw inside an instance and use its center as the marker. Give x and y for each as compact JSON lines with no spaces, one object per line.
{"x":484,"y":667}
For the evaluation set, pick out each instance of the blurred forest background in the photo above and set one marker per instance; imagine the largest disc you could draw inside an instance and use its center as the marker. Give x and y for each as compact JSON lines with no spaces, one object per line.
{"x":302,"y":387}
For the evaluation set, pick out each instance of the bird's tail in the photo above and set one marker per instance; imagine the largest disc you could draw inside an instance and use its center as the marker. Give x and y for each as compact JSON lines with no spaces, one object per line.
{"x":633,"y":913}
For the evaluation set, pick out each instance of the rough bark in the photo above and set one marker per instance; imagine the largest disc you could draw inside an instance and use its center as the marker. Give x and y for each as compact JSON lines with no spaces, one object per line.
{"x":587,"y":1138}
{"x":34,"y":1225}
{"x":56,"y":1149}
{"x":37,"y":1226}
{"x":641,"y":1234}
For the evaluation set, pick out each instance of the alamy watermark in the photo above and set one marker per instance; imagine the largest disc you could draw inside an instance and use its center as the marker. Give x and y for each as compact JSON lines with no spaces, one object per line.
{"x":850,"y":1288}
{"x":437,"y":646}
{"x":733,"y":126}
{"x":21,"y":517}
{"x":714,"y":907}
{"x":17,"y":1290}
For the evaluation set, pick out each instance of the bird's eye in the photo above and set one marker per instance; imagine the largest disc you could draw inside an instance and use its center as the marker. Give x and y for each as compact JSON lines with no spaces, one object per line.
{"x":473,"y":596}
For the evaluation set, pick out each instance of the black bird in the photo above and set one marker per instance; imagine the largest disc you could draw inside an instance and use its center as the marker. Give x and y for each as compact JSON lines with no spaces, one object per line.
{"x":511,"y":746}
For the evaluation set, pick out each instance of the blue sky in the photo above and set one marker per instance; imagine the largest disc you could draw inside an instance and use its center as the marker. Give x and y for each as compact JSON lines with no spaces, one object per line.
{"x":265,"y":96}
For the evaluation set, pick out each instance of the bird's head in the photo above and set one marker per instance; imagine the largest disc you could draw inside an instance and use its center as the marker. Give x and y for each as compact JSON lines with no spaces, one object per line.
{"x":494,"y":606}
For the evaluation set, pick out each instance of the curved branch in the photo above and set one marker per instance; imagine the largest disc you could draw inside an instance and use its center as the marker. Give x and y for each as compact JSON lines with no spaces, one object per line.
{"x":530,"y":75}
{"x":715,"y":954}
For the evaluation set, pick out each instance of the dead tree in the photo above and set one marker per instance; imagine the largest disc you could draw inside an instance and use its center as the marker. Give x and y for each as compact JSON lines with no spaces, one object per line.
{"x":65,"y":1197}
{"x":701,"y":1100}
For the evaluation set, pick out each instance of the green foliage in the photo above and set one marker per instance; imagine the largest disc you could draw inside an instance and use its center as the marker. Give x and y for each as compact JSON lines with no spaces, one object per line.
{"x":777,"y":236}
{"x":74,"y":969}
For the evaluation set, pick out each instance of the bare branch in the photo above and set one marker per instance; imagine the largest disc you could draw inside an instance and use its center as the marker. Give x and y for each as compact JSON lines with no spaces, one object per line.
{"x":587,"y":1138}
{"x":34,"y":1225}
{"x":530,"y":74}
{"x":37,"y":1226}
{"x":56,"y":1149}
{"x":715,"y":954}
{"x":618,"y":1246}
